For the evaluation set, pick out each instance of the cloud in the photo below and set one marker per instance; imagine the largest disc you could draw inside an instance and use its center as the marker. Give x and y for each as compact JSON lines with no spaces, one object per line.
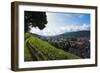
{"x":56,"y":30}
{"x":59,"y":23}
{"x":74,"y":15}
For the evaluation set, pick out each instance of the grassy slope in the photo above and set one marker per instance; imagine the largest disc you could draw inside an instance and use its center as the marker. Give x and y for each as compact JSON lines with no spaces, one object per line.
{"x":37,"y":49}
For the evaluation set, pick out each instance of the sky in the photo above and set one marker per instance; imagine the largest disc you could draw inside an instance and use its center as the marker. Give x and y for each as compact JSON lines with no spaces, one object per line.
{"x":59,"y":23}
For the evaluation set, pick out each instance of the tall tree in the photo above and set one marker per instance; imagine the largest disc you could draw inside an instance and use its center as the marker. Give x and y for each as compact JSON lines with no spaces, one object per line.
{"x":34,"y":19}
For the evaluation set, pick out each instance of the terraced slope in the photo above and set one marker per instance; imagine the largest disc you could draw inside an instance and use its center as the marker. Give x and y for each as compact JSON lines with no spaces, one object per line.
{"x":38,"y":50}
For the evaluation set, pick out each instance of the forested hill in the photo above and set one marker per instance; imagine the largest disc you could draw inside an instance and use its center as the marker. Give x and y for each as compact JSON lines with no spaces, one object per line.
{"x":77,"y":34}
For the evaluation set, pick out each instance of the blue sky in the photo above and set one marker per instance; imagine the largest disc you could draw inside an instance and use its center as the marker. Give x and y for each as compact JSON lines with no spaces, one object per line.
{"x":59,"y":23}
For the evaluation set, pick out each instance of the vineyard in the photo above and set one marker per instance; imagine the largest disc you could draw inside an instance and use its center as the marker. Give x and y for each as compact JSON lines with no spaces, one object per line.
{"x":39,"y":50}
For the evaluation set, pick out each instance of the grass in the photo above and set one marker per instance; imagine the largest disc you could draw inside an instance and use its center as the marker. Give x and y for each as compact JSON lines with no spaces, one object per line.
{"x":37,"y":50}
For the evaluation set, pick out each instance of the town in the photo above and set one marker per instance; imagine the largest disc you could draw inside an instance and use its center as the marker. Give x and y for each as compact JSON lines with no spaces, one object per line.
{"x":79,"y":46}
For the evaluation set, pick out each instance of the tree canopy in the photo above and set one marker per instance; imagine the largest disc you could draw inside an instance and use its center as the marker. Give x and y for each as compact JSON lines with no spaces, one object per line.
{"x":34,"y":19}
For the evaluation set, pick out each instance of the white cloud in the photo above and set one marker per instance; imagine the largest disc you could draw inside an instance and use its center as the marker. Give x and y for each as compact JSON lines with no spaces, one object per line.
{"x":58,"y":25}
{"x":81,"y":15}
{"x":74,"y":15}
{"x":52,"y":30}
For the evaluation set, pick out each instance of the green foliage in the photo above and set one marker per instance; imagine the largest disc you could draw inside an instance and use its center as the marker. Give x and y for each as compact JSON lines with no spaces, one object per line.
{"x":42,"y":50}
{"x":27,"y":55}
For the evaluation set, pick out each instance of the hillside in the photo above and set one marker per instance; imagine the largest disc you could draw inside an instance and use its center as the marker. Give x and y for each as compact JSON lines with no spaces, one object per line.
{"x":38,"y":50}
{"x":77,"y":34}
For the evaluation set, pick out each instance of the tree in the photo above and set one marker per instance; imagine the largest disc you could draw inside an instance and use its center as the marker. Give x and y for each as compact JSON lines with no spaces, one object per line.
{"x":34,"y":19}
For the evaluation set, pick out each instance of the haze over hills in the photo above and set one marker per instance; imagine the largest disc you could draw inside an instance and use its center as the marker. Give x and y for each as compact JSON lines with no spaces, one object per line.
{"x":69,"y":34}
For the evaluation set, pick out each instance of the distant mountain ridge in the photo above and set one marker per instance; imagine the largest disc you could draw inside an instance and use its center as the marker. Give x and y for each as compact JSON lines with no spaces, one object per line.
{"x":68,"y":34}
{"x":77,"y":34}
